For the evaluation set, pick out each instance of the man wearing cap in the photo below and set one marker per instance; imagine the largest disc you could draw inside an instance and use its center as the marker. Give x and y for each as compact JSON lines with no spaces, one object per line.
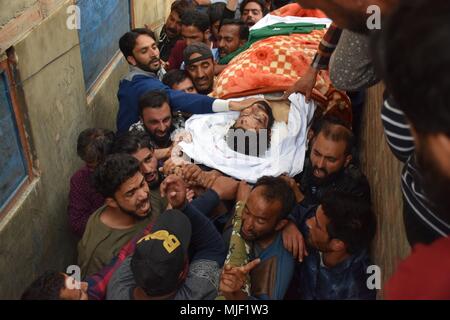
{"x":181,"y":258}
{"x":141,"y":52}
{"x":199,"y":63}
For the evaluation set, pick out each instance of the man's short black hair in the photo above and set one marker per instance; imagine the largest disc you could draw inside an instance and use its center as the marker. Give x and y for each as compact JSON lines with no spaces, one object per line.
{"x":113,"y":172}
{"x":259,"y":2}
{"x":243,"y":27}
{"x":174,"y":77}
{"x":181,"y":6}
{"x":131,"y":142}
{"x":351,"y":220}
{"x":195,"y":18}
{"x":128,"y":41}
{"x":215,"y":12}
{"x":277,"y":189}
{"x":336,"y":130}
{"x":47,"y":287}
{"x":94,"y":144}
{"x":416,"y":72}
{"x":152,"y":99}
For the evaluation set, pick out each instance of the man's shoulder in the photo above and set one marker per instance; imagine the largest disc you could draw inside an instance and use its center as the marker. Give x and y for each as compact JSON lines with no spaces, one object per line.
{"x":94,"y":218}
{"x":180,"y":45}
{"x":202,"y":281}
{"x":133,"y":78}
{"x":360,"y":262}
{"x":81,"y":173}
{"x":121,"y":283}
{"x":423,"y":274}
{"x":277,"y":249}
{"x":95,"y":228}
{"x":204,"y":268}
{"x":354,"y":172}
{"x":354,"y":181}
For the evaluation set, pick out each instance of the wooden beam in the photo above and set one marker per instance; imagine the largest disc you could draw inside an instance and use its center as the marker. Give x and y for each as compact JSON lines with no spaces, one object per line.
{"x":15,"y":29}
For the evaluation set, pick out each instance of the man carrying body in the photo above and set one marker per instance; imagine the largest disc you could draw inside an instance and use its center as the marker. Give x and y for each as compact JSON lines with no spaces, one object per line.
{"x":233,"y":34}
{"x":171,"y":31}
{"x":188,"y":266}
{"x":264,"y":215}
{"x":329,"y":166}
{"x":156,"y":120}
{"x":338,"y":234}
{"x":195,"y":28}
{"x":126,"y":212}
{"x":140,"y":49}
{"x":199,"y":64}
{"x":140,"y":146}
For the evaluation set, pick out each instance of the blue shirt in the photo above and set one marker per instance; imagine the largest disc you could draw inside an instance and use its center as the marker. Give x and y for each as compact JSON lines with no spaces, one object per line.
{"x":277,"y":264}
{"x":315,"y":281}
{"x":139,"y":82}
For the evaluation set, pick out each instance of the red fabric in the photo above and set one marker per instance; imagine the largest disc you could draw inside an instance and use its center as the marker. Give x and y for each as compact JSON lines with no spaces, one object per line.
{"x":84,"y":200}
{"x":176,"y":55}
{"x":295,"y":10}
{"x":424,"y":275}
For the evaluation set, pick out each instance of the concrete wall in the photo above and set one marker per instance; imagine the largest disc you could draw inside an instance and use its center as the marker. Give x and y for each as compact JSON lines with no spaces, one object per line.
{"x":383,"y":171}
{"x":153,"y":13}
{"x":34,"y":234}
{"x":11,"y":9}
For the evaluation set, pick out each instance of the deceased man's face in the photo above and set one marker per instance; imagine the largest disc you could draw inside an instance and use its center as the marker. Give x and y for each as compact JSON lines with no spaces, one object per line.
{"x":253,"y":118}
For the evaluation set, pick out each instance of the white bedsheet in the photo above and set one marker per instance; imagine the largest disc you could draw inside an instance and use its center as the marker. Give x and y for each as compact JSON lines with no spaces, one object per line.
{"x":285,"y":155}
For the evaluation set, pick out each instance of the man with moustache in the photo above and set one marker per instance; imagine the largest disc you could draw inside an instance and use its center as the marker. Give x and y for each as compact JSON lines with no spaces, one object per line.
{"x":338,"y":235}
{"x":329,"y":165}
{"x":140,"y":146}
{"x":252,"y":11}
{"x":126,"y":212}
{"x":195,"y":28}
{"x":171,"y":31}
{"x":264,"y":215}
{"x":233,"y":34}
{"x":156,"y":118}
{"x":199,"y":64}
{"x":141,"y":52}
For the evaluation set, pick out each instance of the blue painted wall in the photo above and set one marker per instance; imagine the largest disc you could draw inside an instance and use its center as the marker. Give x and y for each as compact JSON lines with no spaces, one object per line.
{"x":12,"y":164}
{"x":103,"y":22}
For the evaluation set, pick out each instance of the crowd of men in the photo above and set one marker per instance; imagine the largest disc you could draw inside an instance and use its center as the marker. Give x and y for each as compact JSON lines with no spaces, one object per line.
{"x":150,"y":228}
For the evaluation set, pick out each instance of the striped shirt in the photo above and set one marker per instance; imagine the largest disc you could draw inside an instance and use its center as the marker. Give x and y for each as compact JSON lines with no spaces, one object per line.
{"x":401,"y":142}
{"x":326,"y":48}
